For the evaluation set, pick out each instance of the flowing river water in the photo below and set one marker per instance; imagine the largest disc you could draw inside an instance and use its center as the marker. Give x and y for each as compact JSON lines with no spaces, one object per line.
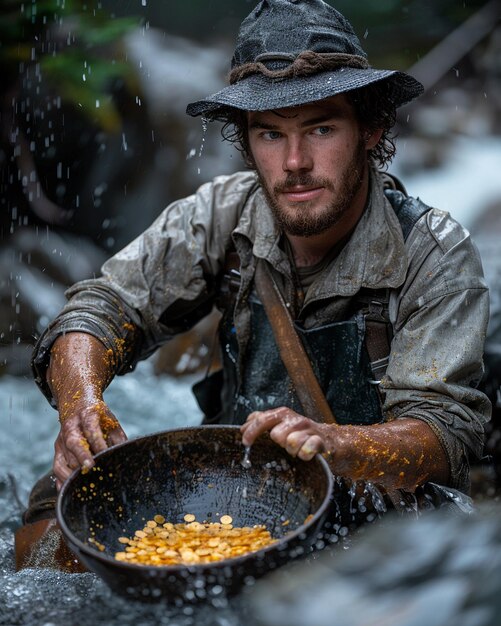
{"x":145,"y":404}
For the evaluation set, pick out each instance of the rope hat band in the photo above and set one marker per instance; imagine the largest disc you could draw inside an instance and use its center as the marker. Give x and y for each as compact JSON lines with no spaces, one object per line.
{"x":305,"y":63}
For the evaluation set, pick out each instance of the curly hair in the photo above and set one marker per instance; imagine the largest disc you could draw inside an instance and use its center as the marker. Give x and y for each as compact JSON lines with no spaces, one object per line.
{"x":374,"y":109}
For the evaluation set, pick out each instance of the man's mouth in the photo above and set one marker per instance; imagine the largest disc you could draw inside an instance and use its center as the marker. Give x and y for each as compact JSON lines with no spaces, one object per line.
{"x":301,"y":193}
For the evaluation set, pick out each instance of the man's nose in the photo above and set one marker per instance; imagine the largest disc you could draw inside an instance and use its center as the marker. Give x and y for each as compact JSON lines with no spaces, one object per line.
{"x":297,"y":156}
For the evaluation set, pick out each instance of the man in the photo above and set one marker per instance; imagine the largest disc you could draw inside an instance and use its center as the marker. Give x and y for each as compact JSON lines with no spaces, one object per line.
{"x":344,"y":246}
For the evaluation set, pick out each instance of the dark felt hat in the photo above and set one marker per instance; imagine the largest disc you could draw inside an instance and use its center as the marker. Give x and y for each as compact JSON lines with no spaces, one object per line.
{"x":292,"y":52}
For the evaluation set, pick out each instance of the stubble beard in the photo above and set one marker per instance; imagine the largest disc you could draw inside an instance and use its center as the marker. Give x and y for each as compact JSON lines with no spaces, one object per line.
{"x":304,"y":220}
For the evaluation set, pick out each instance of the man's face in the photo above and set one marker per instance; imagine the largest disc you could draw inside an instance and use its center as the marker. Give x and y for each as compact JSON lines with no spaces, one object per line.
{"x":311,"y":161}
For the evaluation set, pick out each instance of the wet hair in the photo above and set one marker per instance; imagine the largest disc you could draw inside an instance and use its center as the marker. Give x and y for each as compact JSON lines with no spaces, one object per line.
{"x":374,"y":109}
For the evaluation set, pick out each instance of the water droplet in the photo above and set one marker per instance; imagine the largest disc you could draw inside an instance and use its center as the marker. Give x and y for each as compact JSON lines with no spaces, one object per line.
{"x":246,"y":463}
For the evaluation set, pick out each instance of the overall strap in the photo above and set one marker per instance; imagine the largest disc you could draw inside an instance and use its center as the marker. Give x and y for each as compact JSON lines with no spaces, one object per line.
{"x":408,"y":210}
{"x":374,"y":303}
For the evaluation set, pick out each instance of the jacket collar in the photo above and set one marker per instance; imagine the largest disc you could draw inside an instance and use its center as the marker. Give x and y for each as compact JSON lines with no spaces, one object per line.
{"x":374,"y":257}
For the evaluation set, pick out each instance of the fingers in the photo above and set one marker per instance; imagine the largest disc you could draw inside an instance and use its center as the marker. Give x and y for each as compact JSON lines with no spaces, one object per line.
{"x":312,"y":446}
{"x":93,"y":433}
{"x":64,"y":461}
{"x":261,"y":421}
{"x":74,"y":442}
{"x":295,"y":440}
{"x":86,"y":432}
{"x":299,"y":435}
{"x":303,"y":444}
{"x":116,"y":436}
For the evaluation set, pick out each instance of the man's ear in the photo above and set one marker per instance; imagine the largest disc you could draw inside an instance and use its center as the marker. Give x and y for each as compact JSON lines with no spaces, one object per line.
{"x":372,"y":137}
{"x":249,"y":161}
{"x":248,"y":158}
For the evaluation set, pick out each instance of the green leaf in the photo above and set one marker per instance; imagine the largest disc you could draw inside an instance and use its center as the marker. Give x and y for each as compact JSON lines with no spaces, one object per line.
{"x":96,"y":34}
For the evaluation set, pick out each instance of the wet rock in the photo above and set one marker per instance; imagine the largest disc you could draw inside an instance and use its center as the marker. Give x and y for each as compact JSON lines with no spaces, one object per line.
{"x":194,"y":351}
{"x":439,"y":570}
{"x":36,"y":267}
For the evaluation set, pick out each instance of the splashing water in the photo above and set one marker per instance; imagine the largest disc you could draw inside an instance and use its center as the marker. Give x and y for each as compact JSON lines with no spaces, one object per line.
{"x":377,"y":498}
{"x":246,"y":463}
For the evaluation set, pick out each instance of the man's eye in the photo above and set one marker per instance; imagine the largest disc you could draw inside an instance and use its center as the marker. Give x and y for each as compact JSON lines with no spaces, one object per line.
{"x":322,"y":130}
{"x":271,"y":135}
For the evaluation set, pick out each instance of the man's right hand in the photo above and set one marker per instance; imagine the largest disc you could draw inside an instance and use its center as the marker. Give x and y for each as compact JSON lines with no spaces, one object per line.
{"x":79,"y":372}
{"x":89,"y":430}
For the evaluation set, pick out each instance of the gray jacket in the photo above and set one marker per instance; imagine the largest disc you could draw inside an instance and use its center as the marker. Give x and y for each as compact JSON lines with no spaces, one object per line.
{"x":166,"y":280}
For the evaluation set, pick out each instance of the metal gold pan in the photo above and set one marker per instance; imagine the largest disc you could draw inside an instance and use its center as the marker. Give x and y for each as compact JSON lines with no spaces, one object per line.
{"x":196,"y":471}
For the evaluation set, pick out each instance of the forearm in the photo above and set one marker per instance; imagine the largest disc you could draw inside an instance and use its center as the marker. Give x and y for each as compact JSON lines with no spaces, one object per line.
{"x":401,"y":454}
{"x":79,"y":371}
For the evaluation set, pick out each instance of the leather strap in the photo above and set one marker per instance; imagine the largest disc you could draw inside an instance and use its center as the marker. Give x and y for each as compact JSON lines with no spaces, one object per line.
{"x":290,"y":347}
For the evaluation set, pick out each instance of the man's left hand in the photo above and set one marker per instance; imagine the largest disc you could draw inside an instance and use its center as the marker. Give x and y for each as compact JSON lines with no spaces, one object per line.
{"x":299,"y":435}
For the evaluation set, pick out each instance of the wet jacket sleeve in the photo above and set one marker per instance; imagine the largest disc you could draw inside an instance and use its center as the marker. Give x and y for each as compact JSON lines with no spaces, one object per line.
{"x":440,"y":319}
{"x":159,"y":285}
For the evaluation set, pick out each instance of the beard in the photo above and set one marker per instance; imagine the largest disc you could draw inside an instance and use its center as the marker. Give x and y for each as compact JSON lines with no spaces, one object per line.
{"x":303,"y":220}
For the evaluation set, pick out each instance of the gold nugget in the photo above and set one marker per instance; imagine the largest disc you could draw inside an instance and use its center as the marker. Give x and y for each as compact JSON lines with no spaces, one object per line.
{"x":163,"y":543}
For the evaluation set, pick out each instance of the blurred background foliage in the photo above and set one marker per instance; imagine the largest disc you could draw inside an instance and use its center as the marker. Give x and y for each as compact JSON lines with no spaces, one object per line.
{"x":65,"y":40}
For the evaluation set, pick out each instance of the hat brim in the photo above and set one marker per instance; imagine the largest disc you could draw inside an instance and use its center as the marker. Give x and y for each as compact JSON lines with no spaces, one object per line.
{"x":261,"y":93}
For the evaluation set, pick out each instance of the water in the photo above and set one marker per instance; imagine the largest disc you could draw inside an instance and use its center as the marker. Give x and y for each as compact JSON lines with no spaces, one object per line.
{"x":144,"y":403}
{"x":376,"y":498}
{"x":466,"y":183}
{"x":246,"y":462}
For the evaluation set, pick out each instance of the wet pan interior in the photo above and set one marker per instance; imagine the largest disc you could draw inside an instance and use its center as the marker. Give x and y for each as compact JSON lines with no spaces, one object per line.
{"x":198,"y":471}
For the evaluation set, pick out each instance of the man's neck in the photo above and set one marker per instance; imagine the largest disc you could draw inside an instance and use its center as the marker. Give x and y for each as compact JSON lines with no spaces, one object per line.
{"x":311,"y":250}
